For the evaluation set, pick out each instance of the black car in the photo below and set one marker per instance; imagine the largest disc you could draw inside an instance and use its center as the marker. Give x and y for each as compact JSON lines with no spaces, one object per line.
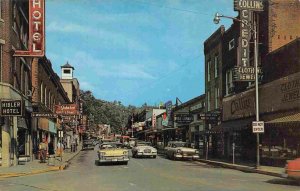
{"x":88,"y":144}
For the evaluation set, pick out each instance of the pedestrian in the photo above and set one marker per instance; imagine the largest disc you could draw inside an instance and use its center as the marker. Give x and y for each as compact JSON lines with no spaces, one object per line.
{"x":51,"y":148}
{"x":43,"y":150}
{"x":60,"y":148}
{"x":73,"y":143}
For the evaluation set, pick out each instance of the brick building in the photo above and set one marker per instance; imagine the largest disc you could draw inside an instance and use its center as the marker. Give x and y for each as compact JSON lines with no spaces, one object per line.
{"x":15,"y":83}
{"x":278,"y":29}
{"x":47,"y":92}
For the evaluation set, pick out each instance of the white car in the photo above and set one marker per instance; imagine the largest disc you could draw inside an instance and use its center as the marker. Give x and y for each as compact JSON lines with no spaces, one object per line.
{"x":143,"y":149}
{"x":179,"y":150}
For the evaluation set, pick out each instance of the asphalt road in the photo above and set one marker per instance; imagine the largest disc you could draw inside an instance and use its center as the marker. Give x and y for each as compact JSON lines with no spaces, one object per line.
{"x":158,"y":174}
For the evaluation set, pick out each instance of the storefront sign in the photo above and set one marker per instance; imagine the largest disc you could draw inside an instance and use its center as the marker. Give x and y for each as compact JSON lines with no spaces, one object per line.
{"x":66,"y":109}
{"x":183,"y":118}
{"x":209,"y":116}
{"x":244,"y":72}
{"x":36,"y":30}
{"x":253,"y":5}
{"x":258,"y":127}
{"x":280,"y":95}
{"x":12,"y":107}
{"x":44,"y":115}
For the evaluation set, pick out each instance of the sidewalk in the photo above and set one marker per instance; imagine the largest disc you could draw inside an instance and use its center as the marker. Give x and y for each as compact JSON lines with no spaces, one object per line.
{"x":266,"y":170}
{"x":35,"y":167}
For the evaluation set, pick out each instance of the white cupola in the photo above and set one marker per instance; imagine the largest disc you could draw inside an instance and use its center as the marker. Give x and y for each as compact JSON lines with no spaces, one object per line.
{"x":67,"y":71}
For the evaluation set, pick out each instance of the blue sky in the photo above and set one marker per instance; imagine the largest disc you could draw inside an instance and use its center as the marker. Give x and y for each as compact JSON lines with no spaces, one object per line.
{"x":134,"y":51}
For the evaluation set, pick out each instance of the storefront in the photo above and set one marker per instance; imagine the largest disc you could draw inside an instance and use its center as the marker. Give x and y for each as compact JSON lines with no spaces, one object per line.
{"x":281,"y":114}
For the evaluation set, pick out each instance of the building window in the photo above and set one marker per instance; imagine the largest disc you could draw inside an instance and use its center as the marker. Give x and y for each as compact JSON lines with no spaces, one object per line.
{"x":1,"y":9}
{"x":229,"y":82}
{"x":45,"y":96}
{"x":231,"y":44}
{"x":0,"y":62}
{"x":217,"y":96}
{"x":15,"y":17}
{"x":22,"y":76}
{"x":208,"y":71}
{"x":216,"y":66}
{"x":26,"y":81}
{"x":208,"y":101}
{"x":42,"y":93}
{"x":14,"y":72}
{"x":49,"y":99}
{"x":67,"y":71}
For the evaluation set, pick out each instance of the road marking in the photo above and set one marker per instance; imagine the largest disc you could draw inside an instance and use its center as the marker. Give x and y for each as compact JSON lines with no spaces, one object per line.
{"x":131,"y":184}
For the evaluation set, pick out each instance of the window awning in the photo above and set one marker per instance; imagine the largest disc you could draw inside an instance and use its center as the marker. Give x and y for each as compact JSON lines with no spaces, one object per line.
{"x":286,"y":119}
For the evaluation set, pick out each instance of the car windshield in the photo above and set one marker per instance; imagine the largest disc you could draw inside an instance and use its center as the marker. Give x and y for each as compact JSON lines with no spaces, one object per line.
{"x":143,"y":144}
{"x":179,"y":144}
{"x":110,"y":145}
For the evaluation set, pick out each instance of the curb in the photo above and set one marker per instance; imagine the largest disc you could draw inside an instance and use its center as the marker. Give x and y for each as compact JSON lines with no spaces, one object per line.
{"x":241,"y":168}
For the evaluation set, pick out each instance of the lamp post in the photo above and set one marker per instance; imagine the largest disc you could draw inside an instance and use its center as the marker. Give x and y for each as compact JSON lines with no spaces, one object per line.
{"x":253,"y":28}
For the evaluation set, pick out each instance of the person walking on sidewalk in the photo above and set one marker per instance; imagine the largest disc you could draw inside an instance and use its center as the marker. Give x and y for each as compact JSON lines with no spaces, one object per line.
{"x":43,"y":150}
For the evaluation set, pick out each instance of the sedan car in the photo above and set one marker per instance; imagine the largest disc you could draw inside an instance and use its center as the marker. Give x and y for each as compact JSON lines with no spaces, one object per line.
{"x":179,"y":150}
{"x":87,"y":144}
{"x":143,"y":149}
{"x":111,"y":152}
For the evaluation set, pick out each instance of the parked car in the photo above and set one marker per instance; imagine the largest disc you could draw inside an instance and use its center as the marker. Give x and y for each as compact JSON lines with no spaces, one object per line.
{"x":179,"y":150}
{"x":87,"y":144}
{"x":111,"y":152}
{"x":131,"y":142}
{"x":143,"y":149}
{"x":292,"y":169}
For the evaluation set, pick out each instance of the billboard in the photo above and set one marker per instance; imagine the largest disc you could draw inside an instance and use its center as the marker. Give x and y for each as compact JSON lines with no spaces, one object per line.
{"x":36,"y":30}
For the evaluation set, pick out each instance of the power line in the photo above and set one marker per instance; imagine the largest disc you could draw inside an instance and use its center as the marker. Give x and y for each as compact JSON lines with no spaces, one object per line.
{"x":171,"y":8}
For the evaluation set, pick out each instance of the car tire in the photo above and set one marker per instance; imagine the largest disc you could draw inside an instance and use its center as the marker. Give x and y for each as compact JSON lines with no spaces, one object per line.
{"x":154,"y":156}
{"x":126,"y":163}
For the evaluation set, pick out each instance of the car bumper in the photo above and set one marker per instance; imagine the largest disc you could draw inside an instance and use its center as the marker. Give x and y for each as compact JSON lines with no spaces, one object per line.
{"x":115,"y":159}
{"x":186,"y":156}
{"x":146,"y":154}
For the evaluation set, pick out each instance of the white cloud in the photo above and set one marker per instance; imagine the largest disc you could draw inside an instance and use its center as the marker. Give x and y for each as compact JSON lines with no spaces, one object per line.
{"x":106,"y":37}
{"x":85,"y":62}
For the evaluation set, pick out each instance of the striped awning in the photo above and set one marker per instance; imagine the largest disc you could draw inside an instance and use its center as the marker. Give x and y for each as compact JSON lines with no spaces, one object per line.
{"x":289,"y":118}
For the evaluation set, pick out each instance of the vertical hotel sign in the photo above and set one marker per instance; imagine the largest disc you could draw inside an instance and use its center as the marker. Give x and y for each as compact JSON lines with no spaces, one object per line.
{"x":246,"y":8}
{"x":36,"y":43}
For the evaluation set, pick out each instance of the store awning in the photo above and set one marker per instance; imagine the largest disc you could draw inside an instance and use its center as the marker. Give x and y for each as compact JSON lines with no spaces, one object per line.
{"x":237,"y":125}
{"x":293,"y":118}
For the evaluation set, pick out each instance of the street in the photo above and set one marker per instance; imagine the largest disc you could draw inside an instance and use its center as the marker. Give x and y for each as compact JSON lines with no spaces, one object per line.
{"x":144,"y":175}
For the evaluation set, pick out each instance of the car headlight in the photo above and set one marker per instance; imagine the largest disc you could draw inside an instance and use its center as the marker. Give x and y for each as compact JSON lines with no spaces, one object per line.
{"x":179,"y":151}
{"x":197,"y":152}
{"x":125,"y":152}
{"x":102,"y":153}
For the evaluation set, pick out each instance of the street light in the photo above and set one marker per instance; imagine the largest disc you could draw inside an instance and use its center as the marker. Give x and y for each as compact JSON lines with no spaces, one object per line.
{"x":253,"y":28}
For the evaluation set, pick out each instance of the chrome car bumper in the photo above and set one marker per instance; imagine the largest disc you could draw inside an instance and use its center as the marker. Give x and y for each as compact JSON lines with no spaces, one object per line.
{"x":146,"y":154}
{"x":113,"y":159}
{"x":179,"y":156}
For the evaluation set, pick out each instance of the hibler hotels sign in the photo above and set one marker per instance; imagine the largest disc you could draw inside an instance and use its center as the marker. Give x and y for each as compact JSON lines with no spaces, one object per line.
{"x":36,"y":42}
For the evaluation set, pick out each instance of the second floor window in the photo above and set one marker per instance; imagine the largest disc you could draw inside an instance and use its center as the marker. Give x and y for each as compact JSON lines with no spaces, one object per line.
{"x":42,"y":93}
{"x":216,"y":66}
{"x":229,"y":82}
{"x":208,"y":71}
{"x":208,"y":101}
